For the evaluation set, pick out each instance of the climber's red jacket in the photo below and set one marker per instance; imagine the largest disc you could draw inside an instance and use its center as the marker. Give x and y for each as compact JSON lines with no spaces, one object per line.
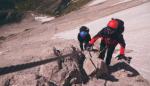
{"x":110,"y":38}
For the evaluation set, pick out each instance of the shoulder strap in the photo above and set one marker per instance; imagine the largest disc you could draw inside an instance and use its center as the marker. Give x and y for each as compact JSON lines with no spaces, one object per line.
{"x":120,"y":26}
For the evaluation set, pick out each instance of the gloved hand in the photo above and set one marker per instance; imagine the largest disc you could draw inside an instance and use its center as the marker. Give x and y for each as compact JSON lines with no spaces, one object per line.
{"x":89,"y":46}
{"x":120,"y":56}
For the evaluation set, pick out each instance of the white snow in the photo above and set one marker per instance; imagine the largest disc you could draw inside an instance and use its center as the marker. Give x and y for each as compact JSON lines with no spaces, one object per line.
{"x":121,"y":1}
{"x":44,"y":19}
{"x":137,"y":34}
{"x":95,"y":2}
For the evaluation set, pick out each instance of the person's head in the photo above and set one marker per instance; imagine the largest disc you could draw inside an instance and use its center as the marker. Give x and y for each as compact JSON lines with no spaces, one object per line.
{"x":84,"y":28}
{"x":116,"y":25}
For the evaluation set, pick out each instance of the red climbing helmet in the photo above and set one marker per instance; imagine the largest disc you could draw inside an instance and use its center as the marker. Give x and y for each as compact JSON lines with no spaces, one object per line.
{"x":113,"y":24}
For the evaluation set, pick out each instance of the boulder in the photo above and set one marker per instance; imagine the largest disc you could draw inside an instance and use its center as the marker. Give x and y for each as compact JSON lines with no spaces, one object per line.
{"x":93,"y":64}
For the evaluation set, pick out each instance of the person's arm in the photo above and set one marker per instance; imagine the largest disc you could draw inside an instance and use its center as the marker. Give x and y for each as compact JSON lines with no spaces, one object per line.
{"x":80,"y":41}
{"x":88,"y":38}
{"x":122,"y":48}
{"x":122,"y":45}
{"x":98,"y":35}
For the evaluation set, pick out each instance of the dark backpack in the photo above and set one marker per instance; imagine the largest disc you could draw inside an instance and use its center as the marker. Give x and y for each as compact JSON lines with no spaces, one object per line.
{"x":120,"y":29}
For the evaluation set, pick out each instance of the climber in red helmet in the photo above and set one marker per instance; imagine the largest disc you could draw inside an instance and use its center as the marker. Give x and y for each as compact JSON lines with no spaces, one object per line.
{"x":111,"y":35}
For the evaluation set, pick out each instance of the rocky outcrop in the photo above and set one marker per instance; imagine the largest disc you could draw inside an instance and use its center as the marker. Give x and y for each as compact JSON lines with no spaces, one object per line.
{"x":71,"y":67}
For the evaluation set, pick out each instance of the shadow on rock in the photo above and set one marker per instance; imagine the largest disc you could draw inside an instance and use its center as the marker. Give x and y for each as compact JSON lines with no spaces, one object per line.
{"x":19,"y":67}
{"x":108,"y":77}
{"x":124,"y":66}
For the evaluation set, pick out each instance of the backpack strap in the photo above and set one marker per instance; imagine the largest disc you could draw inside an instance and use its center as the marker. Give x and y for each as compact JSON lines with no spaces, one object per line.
{"x":120,"y":26}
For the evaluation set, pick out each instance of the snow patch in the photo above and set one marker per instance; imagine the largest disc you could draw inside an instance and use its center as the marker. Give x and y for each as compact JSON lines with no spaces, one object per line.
{"x":121,"y":1}
{"x":44,"y":19}
{"x":95,"y":2}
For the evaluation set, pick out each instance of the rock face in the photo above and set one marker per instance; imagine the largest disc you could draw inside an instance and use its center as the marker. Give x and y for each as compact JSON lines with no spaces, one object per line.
{"x":72,"y":71}
{"x":23,"y":80}
{"x":71,"y":67}
{"x":93,"y":64}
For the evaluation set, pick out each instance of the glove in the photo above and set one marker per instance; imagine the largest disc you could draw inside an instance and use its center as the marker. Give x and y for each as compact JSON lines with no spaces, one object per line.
{"x":120,"y":56}
{"x":89,"y":46}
